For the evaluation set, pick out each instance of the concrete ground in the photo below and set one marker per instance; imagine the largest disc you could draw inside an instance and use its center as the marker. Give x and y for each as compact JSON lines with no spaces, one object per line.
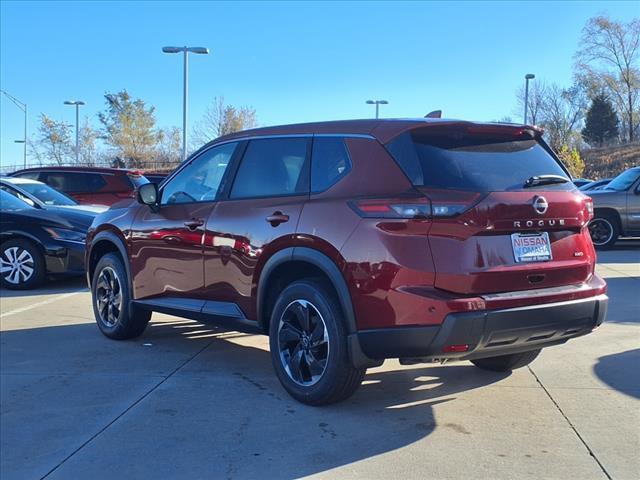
{"x":190,"y":401}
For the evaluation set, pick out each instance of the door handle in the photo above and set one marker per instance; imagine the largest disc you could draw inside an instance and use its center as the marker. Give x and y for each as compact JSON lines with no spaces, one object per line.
{"x":277,"y":218}
{"x":194,"y":223}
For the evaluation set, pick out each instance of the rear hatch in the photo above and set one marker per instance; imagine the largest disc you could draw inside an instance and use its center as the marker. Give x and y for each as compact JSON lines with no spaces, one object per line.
{"x":506,"y":216}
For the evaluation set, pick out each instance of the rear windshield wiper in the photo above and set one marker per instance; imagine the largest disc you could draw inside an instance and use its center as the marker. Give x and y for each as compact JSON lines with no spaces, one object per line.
{"x":544,"y":180}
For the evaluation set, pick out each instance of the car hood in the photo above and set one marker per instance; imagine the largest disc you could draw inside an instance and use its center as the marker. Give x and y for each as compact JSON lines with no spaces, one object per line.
{"x":91,"y":209}
{"x":63,"y":217}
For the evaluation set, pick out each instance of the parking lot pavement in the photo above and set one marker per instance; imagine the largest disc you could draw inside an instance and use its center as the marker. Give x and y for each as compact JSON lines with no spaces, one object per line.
{"x":192,"y":401}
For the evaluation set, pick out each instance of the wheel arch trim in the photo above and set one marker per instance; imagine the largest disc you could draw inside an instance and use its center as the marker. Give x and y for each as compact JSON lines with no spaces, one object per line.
{"x":317,"y":259}
{"x":108,"y":236}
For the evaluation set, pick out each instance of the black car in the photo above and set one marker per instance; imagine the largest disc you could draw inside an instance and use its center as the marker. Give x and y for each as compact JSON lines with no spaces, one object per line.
{"x":36,"y":242}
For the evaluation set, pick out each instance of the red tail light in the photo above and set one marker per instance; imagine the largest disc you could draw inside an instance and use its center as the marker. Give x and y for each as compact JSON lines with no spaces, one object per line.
{"x":415,"y":208}
{"x":449,"y":203}
{"x":436,"y":204}
{"x":588,"y":205}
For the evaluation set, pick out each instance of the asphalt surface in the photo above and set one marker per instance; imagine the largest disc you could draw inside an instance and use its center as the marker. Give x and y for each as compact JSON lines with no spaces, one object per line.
{"x":190,"y":401}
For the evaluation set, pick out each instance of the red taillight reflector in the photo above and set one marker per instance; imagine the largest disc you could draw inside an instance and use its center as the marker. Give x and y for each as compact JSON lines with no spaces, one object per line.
{"x":456,"y":348}
{"x":374,"y":208}
{"x":400,"y":208}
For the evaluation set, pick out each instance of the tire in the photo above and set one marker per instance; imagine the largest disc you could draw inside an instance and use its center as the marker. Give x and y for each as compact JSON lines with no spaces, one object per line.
{"x":116,"y":317}
{"x":506,"y":363}
{"x":22,"y":264}
{"x":312,"y":363}
{"x":604,"y":230}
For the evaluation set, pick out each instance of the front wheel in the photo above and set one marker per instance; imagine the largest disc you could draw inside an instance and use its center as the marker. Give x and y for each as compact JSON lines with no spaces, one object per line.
{"x":22,"y":265}
{"x":115,"y":316}
{"x":506,"y":363}
{"x":308,"y":343}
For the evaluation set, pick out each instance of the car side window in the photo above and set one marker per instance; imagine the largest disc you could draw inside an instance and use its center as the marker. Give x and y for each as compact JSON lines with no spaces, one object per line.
{"x":200,"y":180}
{"x":78,"y":182}
{"x":29,"y":175}
{"x":329,"y":163}
{"x":272,"y":167}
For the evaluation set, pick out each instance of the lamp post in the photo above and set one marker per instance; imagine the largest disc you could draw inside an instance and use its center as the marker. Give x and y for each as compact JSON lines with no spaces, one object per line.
{"x":185,"y":51}
{"x":527,"y":77}
{"x":77,"y":104}
{"x":22,"y":106}
{"x":377,"y":103}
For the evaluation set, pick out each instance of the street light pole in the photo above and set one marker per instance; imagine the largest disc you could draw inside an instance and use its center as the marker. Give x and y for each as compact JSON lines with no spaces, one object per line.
{"x":185,"y":87}
{"x":77,"y":104}
{"x":22,"y":106}
{"x":377,"y":103}
{"x":527,"y":77}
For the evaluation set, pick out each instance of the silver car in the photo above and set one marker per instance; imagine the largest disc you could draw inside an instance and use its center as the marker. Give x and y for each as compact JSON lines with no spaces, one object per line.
{"x":616,"y":209}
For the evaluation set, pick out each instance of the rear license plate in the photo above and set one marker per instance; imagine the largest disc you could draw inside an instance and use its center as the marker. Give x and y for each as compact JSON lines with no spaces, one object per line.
{"x":531,"y":247}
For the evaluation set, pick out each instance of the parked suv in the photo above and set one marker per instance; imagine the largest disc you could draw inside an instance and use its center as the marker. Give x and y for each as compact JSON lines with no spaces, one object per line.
{"x":88,"y":185}
{"x":356,"y":241}
{"x":616,"y":209}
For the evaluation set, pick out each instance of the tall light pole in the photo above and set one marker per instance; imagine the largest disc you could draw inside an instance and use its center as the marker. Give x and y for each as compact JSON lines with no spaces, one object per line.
{"x":77,"y":104}
{"x":377,"y":103}
{"x":22,"y":106}
{"x":185,"y":51}
{"x":527,"y":77}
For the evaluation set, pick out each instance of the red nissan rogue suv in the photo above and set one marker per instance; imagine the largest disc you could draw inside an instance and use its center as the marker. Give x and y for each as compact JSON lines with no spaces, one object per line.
{"x":356,"y":241}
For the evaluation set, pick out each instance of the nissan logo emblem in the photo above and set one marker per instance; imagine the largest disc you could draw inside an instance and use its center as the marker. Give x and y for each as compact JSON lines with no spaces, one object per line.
{"x":540,"y":205}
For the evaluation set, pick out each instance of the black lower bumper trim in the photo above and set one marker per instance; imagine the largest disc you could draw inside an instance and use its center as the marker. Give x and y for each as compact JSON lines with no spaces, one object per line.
{"x":488,"y":333}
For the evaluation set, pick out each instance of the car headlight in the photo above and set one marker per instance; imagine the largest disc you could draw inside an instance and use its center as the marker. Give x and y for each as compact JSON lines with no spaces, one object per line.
{"x":67,"y":235}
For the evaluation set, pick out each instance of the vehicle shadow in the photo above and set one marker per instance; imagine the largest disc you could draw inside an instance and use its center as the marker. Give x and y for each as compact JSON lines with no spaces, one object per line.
{"x":616,"y":371}
{"x":50,"y":287}
{"x":221,"y":414}
{"x":624,"y":304}
{"x":624,"y":251}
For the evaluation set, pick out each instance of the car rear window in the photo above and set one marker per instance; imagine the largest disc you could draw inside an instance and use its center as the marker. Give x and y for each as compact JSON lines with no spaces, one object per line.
{"x":478,"y":162}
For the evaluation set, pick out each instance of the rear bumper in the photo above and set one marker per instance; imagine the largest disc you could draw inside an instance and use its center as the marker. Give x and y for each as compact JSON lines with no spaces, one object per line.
{"x":486,"y":333}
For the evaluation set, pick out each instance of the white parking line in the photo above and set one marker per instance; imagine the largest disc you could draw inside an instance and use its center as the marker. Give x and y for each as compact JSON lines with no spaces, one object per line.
{"x":39,"y":304}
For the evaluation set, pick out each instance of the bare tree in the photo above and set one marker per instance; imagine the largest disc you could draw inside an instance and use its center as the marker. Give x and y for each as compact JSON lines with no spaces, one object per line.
{"x":53,"y":141}
{"x":220,"y":119}
{"x":561,"y":114}
{"x":537,"y":91}
{"x":169,"y":148}
{"x":608,"y":58}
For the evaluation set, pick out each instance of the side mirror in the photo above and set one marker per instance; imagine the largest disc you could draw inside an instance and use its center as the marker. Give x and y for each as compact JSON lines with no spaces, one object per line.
{"x":148,"y":194}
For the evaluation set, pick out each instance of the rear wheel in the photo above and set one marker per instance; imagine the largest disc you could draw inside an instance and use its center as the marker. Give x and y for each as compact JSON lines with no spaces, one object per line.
{"x":22,"y":264}
{"x":115,"y":316}
{"x":604,"y":230}
{"x":308,"y":343}
{"x":506,"y":363}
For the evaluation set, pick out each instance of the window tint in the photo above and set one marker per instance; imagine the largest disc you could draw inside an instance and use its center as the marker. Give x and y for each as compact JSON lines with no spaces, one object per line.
{"x":75,"y":182}
{"x":9,"y":202}
{"x":200,"y":180}
{"x":29,"y":175}
{"x":272,"y":167}
{"x":329,"y":162}
{"x":623,"y":181}
{"x":16,"y":194}
{"x":47,"y":195}
{"x":473,"y":162}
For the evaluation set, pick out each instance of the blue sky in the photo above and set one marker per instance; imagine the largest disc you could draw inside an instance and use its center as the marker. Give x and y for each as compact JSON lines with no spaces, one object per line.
{"x":291,"y":61}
